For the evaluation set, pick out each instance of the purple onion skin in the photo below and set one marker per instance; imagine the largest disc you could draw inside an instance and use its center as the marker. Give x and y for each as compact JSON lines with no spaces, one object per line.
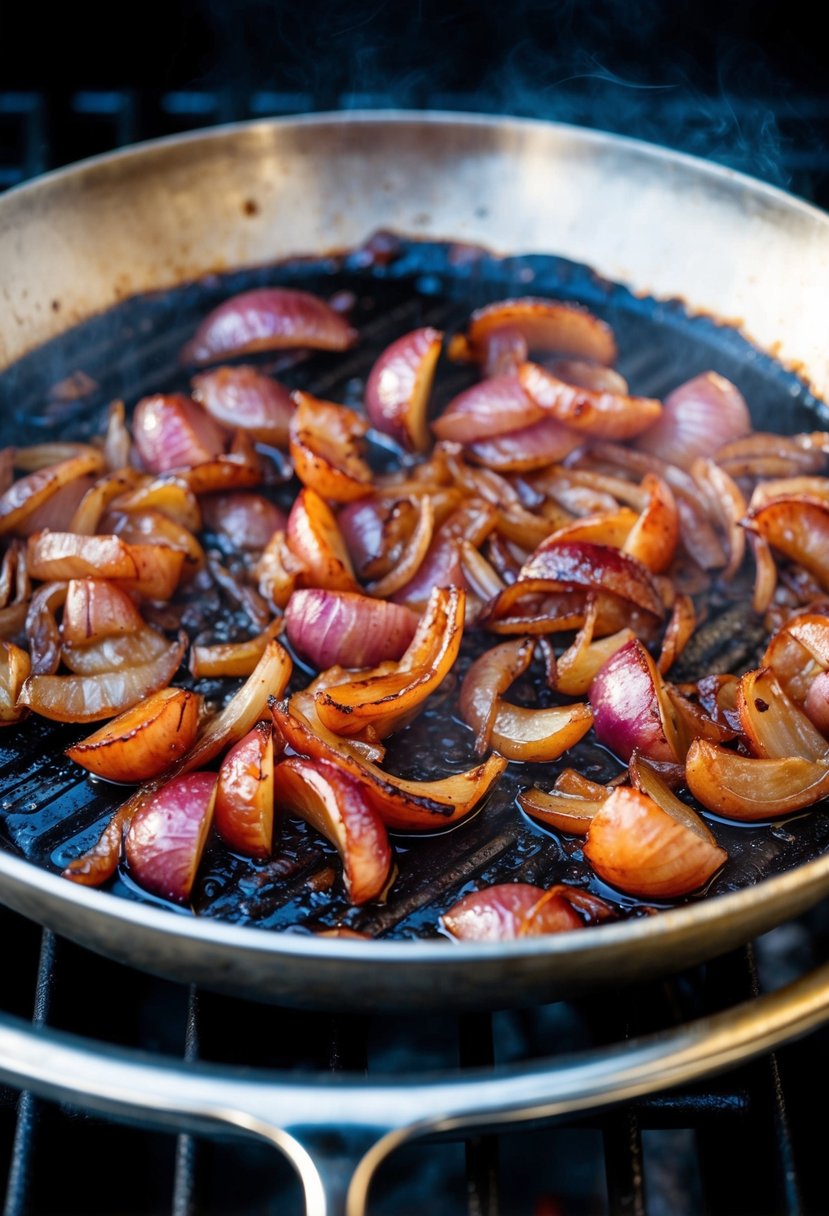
{"x":342,"y":628}
{"x":626,"y":708}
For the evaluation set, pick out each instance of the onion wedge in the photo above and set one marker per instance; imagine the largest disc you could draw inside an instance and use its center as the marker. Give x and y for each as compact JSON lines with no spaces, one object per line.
{"x":750,"y":789}
{"x":167,"y":835}
{"x":15,"y":666}
{"x":143,"y":742}
{"x":404,"y":806}
{"x":316,"y":540}
{"x":538,"y":734}
{"x":244,"y":798}
{"x":636,"y":846}
{"x":25,"y":496}
{"x":398,"y":387}
{"x":78,"y":698}
{"x":773,"y":724}
{"x":486,"y":680}
{"x":798,"y":528}
{"x":565,"y":812}
{"x":325,"y":449}
{"x":544,"y":325}
{"x":508,"y":911}
{"x":232,"y":658}
{"x":337,"y":806}
{"x":600,"y":414}
{"x":268,"y":318}
{"x":632,"y":711}
{"x":244,"y":398}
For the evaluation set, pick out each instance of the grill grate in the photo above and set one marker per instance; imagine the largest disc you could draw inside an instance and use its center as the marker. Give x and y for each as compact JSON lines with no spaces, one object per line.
{"x":744,"y":1144}
{"x":724,"y":1149}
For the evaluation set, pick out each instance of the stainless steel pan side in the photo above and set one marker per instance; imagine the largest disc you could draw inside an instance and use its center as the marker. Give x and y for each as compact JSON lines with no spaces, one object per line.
{"x":76,"y":241}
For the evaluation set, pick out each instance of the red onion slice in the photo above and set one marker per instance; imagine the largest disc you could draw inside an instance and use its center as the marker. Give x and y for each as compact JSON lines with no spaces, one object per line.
{"x":628,"y":715}
{"x":531,"y":447}
{"x":397,"y":391}
{"x":347,"y":629}
{"x":545,"y":325}
{"x":493,"y":407}
{"x":244,"y":398}
{"x":172,"y":432}
{"x":697,"y":418}
{"x":268,"y":318}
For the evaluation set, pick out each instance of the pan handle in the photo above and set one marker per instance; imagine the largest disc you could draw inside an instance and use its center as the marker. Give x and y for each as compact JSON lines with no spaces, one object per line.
{"x":337,"y":1129}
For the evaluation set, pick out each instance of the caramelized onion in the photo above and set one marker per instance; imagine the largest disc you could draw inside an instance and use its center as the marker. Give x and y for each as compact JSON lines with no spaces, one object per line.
{"x":492,"y":407}
{"x":326,"y":443}
{"x":630,"y":709}
{"x":773,"y":724}
{"x":171,"y":431}
{"x":510,"y":910}
{"x":245,"y":794}
{"x":316,"y":540}
{"x":487,"y":679}
{"x":605,"y":415}
{"x":248,"y":521}
{"x":95,"y":609}
{"x":143,"y":742}
{"x":750,"y":789}
{"x":528,"y":448}
{"x":636,"y":846}
{"x":15,"y":667}
{"x":545,"y":325}
{"x":232,"y":658}
{"x":24,"y":497}
{"x":167,"y":834}
{"x":798,"y":528}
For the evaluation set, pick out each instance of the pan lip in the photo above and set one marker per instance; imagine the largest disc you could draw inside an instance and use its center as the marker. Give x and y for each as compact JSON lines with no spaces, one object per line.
{"x":435,"y":118}
{"x":170,"y":923}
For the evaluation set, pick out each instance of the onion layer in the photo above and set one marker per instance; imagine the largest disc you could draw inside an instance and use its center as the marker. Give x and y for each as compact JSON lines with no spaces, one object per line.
{"x":398,"y":387}
{"x":268,"y":318}
{"x":143,"y":742}
{"x":697,"y":418}
{"x":341,"y":627}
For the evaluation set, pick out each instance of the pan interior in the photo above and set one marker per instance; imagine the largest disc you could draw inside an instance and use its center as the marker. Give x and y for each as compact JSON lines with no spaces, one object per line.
{"x":50,"y":810}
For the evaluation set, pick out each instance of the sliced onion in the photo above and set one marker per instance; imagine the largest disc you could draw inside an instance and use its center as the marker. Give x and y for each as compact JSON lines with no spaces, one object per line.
{"x":170,"y":495}
{"x":816,"y":704}
{"x":341,"y":627}
{"x":243,"y":398}
{"x":167,"y":835}
{"x":24,"y":497}
{"x":605,"y":415}
{"x":577,"y":667}
{"x":232,"y":658}
{"x":115,"y":653}
{"x":377,"y":531}
{"x":143,"y":742}
{"x":172,"y":432}
{"x":15,"y":667}
{"x":508,"y":911}
{"x":12,"y":620}
{"x":538,"y":734}
{"x":235,"y":471}
{"x":247,"y":520}
{"x":678,"y":633}
{"x":441,"y":566}
{"x":326,"y":444}
{"x":405,"y":806}
{"x":117,"y":442}
{"x":268,"y":318}
{"x":479,"y":575}
{"x":789,"y":487}
{"x":798,"y":528}
{"x":412,"y":557}
{"x":428,"y":659}
{"x":700,"y":416}
{"x":278,"y":570}
{"x":398,"y":387}
{"x":149,"y":530}
{"x":773,"y":724}
{"x":64,"y":555}
{"x":654,"y":537}
{"x":768,"y":455}
{"x":42,"y":632}
{"x":96,"y":609}
{"x":594,"y":567}
{"x":487,"y":679}
{"x":78,"y":698}
{"x":545,"y":325}
{"x":303,"y":705}
{"x":604,"y":528}
{"x":630,"y":708}
{"x":245,"y":794}
{"x":595,"y":376}
{"x":87,"y":515}
{"x":337,"y":806}
{"x":492,"y":407}
{"x":317,"y":541}
{"x":570,"y":813}
{"x":645,"y":778}
{"x":531,"y":447}
{"x":750,"y":789}
{"x":727,"y":505}
{"x":635,"y":845}
{"x":98,"y":864}
{"x":699,"y":538}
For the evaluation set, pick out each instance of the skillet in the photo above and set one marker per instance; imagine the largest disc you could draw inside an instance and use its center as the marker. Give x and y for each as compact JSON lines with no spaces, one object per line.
{"x":78,"y":242}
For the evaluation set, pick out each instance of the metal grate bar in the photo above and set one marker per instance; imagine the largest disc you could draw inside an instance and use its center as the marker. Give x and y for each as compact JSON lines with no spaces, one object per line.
{"x":476,"y":1049}
{"x":187,"y":1147}
{"x":28,"y":1108}
{"x":624,"y":1165}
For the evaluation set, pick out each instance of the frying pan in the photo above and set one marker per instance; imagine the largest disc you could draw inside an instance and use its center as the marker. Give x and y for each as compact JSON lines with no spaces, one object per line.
{"x":79,"y":241}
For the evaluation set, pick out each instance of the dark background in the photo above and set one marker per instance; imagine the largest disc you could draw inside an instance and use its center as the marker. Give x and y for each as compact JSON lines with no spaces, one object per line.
{"x":743,"y":83}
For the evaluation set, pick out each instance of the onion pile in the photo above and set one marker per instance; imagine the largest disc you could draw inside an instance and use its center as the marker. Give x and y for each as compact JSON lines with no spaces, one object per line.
{"x":568,"y":525}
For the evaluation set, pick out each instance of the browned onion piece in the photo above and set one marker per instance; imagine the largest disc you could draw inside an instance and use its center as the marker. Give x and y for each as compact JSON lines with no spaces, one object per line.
{"x":268,"y":679}
{"x":697,"y":418}
{"x":268,"y":318}
{"x":487,"y":679}
{"x":680,"y":629}
{"x":88,"y":512}
{"x":768,"y":455}
{"x":158,"y":570}
{"x":441,"y":566}
{"x":798,"y":528}
{"x":46,"y":455}
{"x":326,"y":449}
{"x":25,"y":496}
{"x":594,"y":567}
{"x":42,"y":633}
{"x":303,"y":705}
{"x":545,"y":325}
{"x":117,"y":442}
{"x":246,"y":399}
{"x":654,"y":537}
{"x":773,"y":724}
{"x":169,"y":495}
{"x":377,"y":530}
{"x":316,"y":540}
{"x":115,"y":653}
{"x":605,"y":415}
{"x":398,"y":387}
{"x":577,"y":667}
{"x":94,"y":867}
{"x":347,"y":629}
{"x":479,"y":574}
{"x":247,"y":520}
{"x":12,"y":620}
{"x":95,"y":609}
{"x":150,"y":528}
{"x":413,"y":555}
{"x":528,"y":448}
{"x":278,"y":570}
{"x":63,"y":555}
{"x":89,"y":698}
{"x":15,"y":667}
{"x":144,"y":741}
{"x":565,"y":812}
{"x":235,"y":471}
{"x":538,"y":734}
{"x":492,"y":407}
{"x":232,"y":658}
{"x":635,"y":845}
{"x":508,"y":911}
{"x":645,"y":778}
{"x":750,"y":789}
{"x":789,"y":487}
{"x":727,"y":505}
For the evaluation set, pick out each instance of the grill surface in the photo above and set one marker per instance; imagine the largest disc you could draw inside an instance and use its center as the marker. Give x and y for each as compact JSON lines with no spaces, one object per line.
{"x":746,"y":1144}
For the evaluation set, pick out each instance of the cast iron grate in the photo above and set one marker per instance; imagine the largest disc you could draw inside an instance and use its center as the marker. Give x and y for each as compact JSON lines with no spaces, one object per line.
{"x":723,"y":1149}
